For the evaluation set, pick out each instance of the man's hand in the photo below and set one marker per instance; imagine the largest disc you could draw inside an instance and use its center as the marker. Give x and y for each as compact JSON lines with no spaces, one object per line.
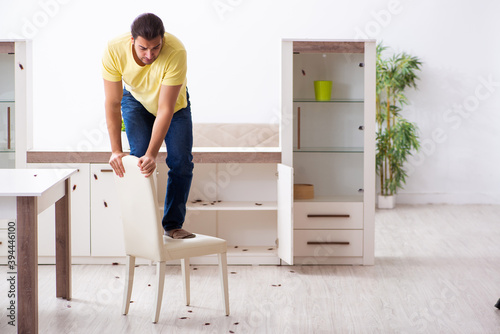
{"x":116,"y":163}
{"x":147,"y":164}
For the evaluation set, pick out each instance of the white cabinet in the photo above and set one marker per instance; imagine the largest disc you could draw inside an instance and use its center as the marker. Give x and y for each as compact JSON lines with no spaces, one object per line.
{"x":247,"y":204}
{"x":105,"y":223}
{"x":16,"y":124}
{"x":330,"y":143}
{"x":80,"y":216}
{"x":239,"y":202}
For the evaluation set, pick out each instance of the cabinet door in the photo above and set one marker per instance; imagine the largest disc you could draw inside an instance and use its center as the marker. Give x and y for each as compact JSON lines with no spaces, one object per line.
{"x":285,"y":210}
{"x":106,"y":225}
{"x":370,"y":152}
{"x":80,"y":214}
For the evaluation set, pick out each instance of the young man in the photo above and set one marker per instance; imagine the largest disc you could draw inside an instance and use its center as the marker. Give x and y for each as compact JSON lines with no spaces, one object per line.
{"x":155,"y":107}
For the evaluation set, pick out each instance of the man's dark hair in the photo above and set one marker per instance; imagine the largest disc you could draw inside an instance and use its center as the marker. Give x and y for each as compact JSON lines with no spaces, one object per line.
{"x":148,"y":26}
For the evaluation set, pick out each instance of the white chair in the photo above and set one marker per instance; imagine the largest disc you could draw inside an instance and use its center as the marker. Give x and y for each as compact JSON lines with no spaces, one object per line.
{"x":144,"y":237}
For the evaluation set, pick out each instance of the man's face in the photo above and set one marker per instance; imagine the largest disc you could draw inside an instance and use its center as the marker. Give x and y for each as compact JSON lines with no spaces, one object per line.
{"x":147,"y":51}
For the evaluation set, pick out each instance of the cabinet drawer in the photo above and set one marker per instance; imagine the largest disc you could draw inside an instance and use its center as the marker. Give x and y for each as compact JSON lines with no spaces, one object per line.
{"x":328,"y":215}
{"x":328,"y":243}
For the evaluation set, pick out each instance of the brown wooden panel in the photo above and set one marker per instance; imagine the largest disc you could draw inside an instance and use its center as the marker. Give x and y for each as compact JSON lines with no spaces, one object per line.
{"x":27,"y":265}
{"x":63,"y":245}
{"x":67,"y":157}
{"x":7,"y":47}
{"x":328,"y":47}
{"x":198,"y":157}
{"x":237,"y":157}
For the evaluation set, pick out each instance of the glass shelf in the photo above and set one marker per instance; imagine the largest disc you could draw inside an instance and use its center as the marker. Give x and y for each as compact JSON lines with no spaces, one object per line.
{"x":330,"y":149}
{"x":313,"y":100}
{"x":5,"y":101}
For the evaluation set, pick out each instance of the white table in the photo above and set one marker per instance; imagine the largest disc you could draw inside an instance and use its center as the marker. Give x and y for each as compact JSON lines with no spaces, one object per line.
{"x":33,"y":191}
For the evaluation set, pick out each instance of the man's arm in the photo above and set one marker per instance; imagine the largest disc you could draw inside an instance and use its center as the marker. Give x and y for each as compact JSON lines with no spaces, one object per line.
{"x":166,"y":107}
{"x":113,"y":97}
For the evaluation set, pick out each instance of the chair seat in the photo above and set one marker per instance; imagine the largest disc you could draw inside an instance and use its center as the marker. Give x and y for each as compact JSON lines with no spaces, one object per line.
{"x":191,"y":247}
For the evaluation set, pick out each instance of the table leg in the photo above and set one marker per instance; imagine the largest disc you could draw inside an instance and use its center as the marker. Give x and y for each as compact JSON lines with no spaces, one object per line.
{"x":63,"y":245}
{"x":27,"y":265}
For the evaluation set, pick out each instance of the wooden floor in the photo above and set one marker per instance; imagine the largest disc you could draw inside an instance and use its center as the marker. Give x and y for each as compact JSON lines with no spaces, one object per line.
{"x":437,"y":271}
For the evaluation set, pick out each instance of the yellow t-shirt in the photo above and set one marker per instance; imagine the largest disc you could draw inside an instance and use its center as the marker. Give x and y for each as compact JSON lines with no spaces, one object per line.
{"x":144,"y":82}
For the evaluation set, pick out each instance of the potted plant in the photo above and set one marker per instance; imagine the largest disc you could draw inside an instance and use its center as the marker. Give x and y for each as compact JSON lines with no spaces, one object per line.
{"x":397,"y":138}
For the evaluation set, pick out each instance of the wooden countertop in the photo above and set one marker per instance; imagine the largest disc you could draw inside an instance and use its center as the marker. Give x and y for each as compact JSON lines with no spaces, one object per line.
{"x":202,"y":155}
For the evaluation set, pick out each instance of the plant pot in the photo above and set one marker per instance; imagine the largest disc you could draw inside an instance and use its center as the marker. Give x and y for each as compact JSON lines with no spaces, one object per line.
{"x":323,"y":90}
{"x":386,"y":202}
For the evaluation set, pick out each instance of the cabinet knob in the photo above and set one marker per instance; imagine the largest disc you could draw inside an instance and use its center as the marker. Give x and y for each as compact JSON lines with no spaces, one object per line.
{"x":361,"y":127}
{"x":361,"y":190}
{"x":361,"y":64}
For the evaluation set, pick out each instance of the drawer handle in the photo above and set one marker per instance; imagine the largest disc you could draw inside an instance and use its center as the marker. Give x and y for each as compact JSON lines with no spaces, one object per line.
{"x":328,"y":216}
{"x":328,"y":243}
{"x":8,"y":129}
{"x":106,"y":170}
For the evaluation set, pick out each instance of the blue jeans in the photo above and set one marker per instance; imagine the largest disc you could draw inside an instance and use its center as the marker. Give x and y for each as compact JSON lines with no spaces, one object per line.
{"x":179,"y":141}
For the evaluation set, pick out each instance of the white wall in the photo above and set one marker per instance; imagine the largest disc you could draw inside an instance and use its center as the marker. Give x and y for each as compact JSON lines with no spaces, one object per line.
{"x":234,"y":71}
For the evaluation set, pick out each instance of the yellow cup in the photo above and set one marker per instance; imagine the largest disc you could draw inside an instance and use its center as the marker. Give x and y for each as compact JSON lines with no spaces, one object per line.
{"x":323,"y":90}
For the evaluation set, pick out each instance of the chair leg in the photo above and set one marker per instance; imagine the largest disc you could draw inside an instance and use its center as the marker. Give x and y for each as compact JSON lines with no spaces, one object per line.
{"x":129,"y":282}
{"x":223,"y":279}
{"x":160,"y":282}
{"x":186,"y":280}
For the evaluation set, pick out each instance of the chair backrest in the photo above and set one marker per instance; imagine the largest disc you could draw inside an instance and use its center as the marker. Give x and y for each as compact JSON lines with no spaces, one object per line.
{"x":142,"y":227}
